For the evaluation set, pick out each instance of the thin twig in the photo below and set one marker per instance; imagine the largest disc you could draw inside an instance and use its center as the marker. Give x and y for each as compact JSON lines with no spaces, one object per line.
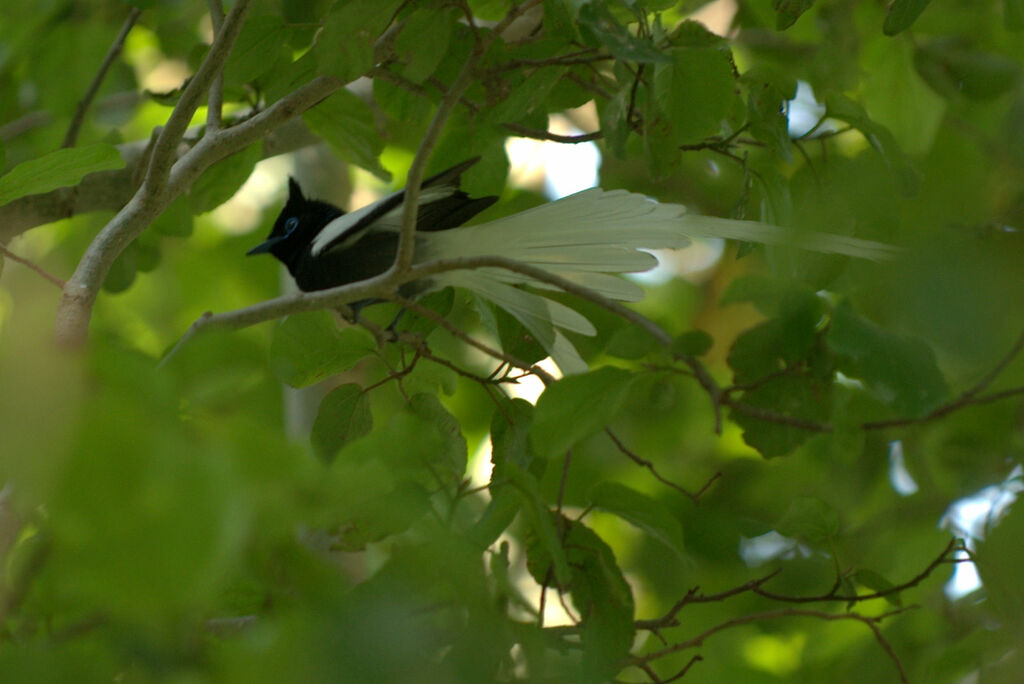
{"x":870,"y":621}
{"x":410,"y":204}
{"x":215,"y":100}
{"x":539,"y":134}
{"x":198,"y":86}
{"x":35,"y":267}
{"x":833,"y":595}
{"x":967,"y":398}
{"x":71,"y":137}
{"x":639,"y":460}
{"x":421,"y":310}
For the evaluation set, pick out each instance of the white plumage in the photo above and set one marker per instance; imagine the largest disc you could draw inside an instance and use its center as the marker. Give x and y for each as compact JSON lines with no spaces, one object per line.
{"x":584,"y":238}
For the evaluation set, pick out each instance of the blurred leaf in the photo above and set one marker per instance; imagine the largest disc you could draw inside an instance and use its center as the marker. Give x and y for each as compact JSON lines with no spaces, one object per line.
{"x":510,"y":436}
{"x":693,"y":343}
{"x":262,"y":39}
{"x":642,"y":511}
{"x":810,"y":520}
{"x":780,"y":342}
{"x":308,"y":347}
{"x":898,"y":370}
{"x":344,"y":415}
{"x":490,"y":10}
{"x":840,"y":107}
{"x":877,"y":583}
{"x":604,"y":600}
{"x":346,"y":123}
{"x":440,"y":302}
{"x":788,"y":11}
{"x":953,"y":69}
{"x":598,"y":25}
{"x":527,"y":96}
{"x":423,"y":41}
{"x":1013,"y":15}
{"x":57,"y":169}
{"x":577,"y":406}
{"x":791,"y":406}
{"x":695,"y":89}
{"x":382,"y":516}
{"x":220,"y":182}
{"x":614,"y":125}
{"x":451,"y":457}
{"x":901,"y":14}
{"x":345,"y":46}
{"x":545,"y":555}
{"x":630,"y":342}
{"x":1000,"y":560}
{"x":122,"y":272}
{"x":176,"y":219}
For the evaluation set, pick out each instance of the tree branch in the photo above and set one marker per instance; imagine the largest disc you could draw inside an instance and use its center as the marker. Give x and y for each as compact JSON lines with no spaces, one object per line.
{"x":80,"y":293}
{"x":71,"y":137}
{"x":870,"y":622}
{"x":111,"y":190}
{"x":35,"y":267}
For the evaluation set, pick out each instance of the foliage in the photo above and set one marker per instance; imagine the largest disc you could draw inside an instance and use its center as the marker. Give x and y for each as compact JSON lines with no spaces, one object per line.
{"x":169,"y":514}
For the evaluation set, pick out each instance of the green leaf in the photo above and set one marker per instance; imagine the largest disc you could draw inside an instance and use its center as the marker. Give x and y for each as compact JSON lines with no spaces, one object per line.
{"x":440,"y":302}
{"x":544,"y":552}
{"x":423,"y":41}
{"x":642,"y":511}
{"x":900,"y":371}
{"x":453,"y":454}
{"x":599,"y":26}
{"x":501,"y":510}
{"x":1000,"y":561}
{"x":382,"y":516}
{"x":790,"y":398}
{"x":838,"y":106}
{"x":176,"y":219}
{"x":877,"y":583}
{"x":630,"y":342}
{"x":262,"y":40}
{"x":788,"y":11}
{"x":346,"y":44}
{"x":901,"y":14}
{"x":576,"y":407}
{"x":57,"y":169}
{"x":510,"y":436}
{"x":604,"y":600}
{"x":693,"y":343}
{"x":765,"y":114}
{"x":614,"y":125}
{"x":308,"y":347}
{"x":490,"y":10}
{"x":695,"y":90}
{"x":1013,"y":15}
{"x":122,"y":272}
{"x":221,"y":181}
{"x":346,"y":123}
{"x":421,"y":444}
{"x":344,"y":415}
{"x":809,"y":519}
{"x":954,"y":70}
{"x":777,"y":342}
{"x":527,"y":96}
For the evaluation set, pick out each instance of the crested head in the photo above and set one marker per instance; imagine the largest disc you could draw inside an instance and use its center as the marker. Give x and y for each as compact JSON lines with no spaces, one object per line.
{"x":295,"y":227}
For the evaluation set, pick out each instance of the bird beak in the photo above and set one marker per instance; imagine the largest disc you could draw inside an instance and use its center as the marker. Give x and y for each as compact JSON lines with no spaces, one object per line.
{"x":265,"y":246}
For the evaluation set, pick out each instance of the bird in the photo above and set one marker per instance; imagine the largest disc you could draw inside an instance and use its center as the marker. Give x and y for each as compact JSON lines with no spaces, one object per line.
{"x":588,"y":238}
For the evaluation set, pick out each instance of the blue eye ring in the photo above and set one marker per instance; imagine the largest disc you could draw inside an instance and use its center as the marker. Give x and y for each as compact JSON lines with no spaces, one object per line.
{"x":290,"y":225}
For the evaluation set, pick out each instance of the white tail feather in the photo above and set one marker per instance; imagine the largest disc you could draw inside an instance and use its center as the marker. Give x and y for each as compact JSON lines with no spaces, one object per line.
{"x":587,"y":236}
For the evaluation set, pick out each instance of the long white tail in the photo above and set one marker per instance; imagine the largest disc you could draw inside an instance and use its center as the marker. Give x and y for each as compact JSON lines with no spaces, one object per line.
{"x":587,"y":236}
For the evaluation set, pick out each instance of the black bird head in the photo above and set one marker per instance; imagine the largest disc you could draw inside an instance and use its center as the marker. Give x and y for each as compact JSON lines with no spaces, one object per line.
{"x":298,"y":223}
